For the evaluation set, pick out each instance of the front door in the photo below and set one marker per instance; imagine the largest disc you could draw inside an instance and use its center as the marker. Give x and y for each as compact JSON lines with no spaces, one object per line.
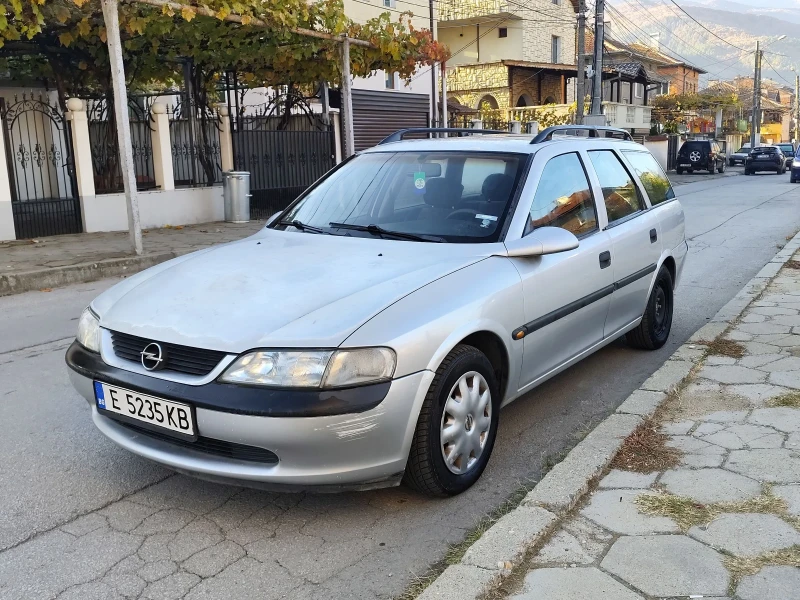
{"x":566,"y":295}
{"x":635,"y":245}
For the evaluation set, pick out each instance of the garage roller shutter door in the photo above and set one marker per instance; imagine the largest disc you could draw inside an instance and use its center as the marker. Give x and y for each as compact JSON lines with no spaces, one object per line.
{"x":378,"y":114}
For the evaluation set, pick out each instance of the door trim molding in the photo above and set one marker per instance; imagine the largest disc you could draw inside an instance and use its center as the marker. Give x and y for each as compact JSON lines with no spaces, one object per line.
{"x":576,"y":305}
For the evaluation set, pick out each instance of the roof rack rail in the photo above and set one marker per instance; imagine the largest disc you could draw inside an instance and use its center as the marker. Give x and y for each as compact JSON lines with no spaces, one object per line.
{"x":594,"y":131}
{"x":461,"y":131}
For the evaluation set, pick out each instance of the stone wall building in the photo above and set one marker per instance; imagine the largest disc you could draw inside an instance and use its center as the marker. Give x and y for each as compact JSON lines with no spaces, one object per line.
{"x":509,"y":54}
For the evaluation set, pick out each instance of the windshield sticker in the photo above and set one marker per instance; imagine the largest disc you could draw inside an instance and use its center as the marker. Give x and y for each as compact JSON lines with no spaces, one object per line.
{"x":486,"y":220}
{"x":419,"y":181}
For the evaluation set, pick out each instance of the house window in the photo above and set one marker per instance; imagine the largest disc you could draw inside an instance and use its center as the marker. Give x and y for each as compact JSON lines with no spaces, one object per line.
{"x":638,"y":90}
{"x":502,"y":32}
{"x":390,"y":80}
{"x":557,"y":2}
{"x":555,"y":49}
{"x":389,"y":3}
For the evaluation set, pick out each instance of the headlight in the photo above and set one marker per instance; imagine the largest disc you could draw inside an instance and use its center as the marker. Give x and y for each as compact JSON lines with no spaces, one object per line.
{"x":312,"y":368}
{"x":796,"y":162}
{"x":89,"y":331}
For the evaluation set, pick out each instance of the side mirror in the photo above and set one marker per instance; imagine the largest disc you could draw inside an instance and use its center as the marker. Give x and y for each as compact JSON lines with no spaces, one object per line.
{"x":272,"y":219}
{"x":545,"y":240}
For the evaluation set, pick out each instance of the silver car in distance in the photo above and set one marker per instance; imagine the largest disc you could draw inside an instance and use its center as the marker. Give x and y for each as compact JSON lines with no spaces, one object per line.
{"x":371,"y":332}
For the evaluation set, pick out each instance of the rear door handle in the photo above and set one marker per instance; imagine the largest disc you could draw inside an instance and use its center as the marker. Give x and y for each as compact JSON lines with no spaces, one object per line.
{"x":653,"y":236}
{"x":605,"y":259}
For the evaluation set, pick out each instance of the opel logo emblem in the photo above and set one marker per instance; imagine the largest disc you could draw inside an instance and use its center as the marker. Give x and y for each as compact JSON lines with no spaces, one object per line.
{"x":153,"y":357}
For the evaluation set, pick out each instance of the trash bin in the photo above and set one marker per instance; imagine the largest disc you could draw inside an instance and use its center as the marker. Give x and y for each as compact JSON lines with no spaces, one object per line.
{"x":236,"y":196}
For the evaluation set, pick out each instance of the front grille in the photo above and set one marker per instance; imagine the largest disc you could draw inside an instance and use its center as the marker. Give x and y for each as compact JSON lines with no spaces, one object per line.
{"x":180,"y":359}
{"x":212,"y":446}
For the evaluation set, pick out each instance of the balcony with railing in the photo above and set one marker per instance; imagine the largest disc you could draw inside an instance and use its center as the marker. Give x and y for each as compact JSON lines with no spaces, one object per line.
{"x":466,"y":11}
{"x":627,"y":116}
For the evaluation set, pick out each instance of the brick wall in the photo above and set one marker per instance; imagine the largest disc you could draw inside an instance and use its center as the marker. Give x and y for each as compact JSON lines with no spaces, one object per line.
{"x":539,"y":29}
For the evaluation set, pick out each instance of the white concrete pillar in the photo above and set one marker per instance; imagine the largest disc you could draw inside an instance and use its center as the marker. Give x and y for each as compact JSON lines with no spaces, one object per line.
{"x":162,"y":147}
{"x":476,"y":124}
{"x":81,"y":148}
{"x":516,"y":126}
{"x":225,"y":138}
{"x":337,"y":134}
{"x":7,"y":231}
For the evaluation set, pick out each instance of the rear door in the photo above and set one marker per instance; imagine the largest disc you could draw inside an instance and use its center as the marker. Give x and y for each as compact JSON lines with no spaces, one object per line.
{"x":634,"y":233}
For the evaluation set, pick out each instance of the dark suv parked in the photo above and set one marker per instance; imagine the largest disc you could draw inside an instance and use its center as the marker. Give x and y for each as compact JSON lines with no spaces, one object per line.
{"x":700,"y":155}
{"x":765,"y":158}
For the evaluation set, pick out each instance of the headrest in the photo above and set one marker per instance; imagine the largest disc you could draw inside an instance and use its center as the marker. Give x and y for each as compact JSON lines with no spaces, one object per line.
{"x":442,"y":193}
{"x":497,"y":187}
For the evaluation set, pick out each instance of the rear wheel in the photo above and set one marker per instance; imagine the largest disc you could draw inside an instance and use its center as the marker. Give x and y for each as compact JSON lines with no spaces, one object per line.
{"x":679,"y":171}
{"x":653,"y":331}
{"x":457,"y":425}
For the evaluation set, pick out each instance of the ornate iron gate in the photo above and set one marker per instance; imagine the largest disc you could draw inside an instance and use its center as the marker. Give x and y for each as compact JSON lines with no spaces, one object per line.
{"x":284,"y":145}
{"x":44,"y":197}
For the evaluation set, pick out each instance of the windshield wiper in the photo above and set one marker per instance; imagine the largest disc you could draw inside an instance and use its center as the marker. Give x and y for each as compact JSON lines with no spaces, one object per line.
{"x":378,"y":230}
{"x":303,"y":227}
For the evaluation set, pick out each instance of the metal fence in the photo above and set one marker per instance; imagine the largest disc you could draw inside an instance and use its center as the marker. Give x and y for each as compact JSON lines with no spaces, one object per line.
{"x":285,"y":146}
{"x":194,"y":134}
{"x":105,"y":149}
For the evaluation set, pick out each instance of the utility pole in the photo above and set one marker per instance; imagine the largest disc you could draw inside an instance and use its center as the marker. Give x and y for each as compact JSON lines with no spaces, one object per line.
{"x":755,"y":124}
{"x":797,"y":108}
{"x":434,"y":89}
{"x":444,"y":94}
{"x":597,"y":66}
{"x":111,"y":18}
{"x":580,"y":84}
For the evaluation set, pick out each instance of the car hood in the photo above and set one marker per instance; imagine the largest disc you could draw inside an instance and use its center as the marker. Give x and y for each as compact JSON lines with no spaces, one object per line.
{"x":277,"y":289}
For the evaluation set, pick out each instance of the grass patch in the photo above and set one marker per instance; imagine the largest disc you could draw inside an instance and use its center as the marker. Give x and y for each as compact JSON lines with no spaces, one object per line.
{"x":687,"y":512}
{"x":723,"y":347}
{"x":645,"y":450}
{"x":742,"y":566}
{"x":792,"y":264}
{"x":792,"y":400}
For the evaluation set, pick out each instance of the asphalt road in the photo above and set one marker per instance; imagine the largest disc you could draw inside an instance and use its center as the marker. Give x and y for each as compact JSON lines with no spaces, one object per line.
{"x":80,"y":518}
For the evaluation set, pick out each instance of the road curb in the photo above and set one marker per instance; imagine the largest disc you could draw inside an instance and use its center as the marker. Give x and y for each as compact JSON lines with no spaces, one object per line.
{"x":504,"y":545}
{"x":27,"y":281}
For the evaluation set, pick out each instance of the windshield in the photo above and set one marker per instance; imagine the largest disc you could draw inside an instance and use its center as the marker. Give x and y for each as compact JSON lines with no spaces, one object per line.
{"x":743,"y":150}
{"x":458,"y":197}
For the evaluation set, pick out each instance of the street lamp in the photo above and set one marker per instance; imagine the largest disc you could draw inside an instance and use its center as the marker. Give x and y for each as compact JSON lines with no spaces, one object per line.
{"x":755,"y":126}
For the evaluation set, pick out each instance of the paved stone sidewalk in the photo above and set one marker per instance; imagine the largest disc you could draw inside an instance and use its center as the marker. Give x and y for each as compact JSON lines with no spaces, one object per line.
{"x":725,"y":521}
{"x":67,"y":250}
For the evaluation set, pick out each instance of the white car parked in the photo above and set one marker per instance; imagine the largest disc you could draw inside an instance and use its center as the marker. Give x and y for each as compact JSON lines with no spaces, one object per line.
{"x":371,"y":333}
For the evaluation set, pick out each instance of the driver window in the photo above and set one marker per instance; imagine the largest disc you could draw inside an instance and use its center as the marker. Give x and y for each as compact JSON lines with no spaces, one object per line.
{"x":563,"y":198}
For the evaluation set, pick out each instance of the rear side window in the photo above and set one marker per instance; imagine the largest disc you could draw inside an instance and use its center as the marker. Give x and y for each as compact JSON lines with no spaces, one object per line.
{"x":619,"y":192}
{"x":563,"y":198}
{"x":652,"y":176}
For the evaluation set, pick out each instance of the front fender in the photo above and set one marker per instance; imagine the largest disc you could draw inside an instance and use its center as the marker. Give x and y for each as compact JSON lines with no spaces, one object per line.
{"x":426,"y":325}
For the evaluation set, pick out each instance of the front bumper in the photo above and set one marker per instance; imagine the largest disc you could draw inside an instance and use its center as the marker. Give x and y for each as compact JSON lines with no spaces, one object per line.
{"x":358,"y":450}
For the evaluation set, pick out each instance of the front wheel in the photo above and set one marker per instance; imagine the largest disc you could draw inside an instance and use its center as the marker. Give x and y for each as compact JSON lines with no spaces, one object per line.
{"x":457,"y":425}
{"x":731,"y":162}
{"x":721,"y":167}
{"x":653,"y":331}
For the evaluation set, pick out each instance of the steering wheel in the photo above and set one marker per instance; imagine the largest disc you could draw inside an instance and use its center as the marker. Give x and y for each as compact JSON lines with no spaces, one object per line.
{"x":463,"y":214}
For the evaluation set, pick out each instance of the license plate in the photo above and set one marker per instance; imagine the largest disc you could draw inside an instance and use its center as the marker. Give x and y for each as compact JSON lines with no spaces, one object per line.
{"x":157,"y":412}
{"x":763,"y":156}
{"x":685,"y":165}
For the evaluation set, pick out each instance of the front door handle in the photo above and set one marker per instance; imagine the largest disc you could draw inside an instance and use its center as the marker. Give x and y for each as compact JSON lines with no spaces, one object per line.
{"x":653,"y":236}
{"x":605,"y":259}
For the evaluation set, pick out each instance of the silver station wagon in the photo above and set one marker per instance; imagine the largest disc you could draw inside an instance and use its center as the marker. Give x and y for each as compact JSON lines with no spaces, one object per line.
{"x":372,"y":331}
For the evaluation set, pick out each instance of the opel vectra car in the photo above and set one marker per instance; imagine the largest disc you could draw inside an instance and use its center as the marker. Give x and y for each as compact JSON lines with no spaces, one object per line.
{"x":372,"y":331}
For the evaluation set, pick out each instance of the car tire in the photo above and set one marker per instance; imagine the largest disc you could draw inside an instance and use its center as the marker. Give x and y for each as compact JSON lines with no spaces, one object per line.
{"x":427,"y":470}
{"x":679,"y":171}
{"x":653,"y":331}
{"x":731,"y":162}
{"x":721,"y":167}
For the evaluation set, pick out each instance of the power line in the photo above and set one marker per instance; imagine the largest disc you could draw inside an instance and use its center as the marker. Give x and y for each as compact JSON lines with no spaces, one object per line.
{"x":774,"y":70}
{"x":706,"y":28}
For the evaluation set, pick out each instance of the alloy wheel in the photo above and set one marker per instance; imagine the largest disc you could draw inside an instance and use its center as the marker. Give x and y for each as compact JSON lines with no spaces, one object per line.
{"x":466,"y":421}
{"x":694,"y":156}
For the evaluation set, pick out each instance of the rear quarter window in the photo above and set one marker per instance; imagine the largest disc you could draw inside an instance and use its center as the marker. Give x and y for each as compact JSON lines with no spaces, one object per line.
{"x":655,"y":181}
